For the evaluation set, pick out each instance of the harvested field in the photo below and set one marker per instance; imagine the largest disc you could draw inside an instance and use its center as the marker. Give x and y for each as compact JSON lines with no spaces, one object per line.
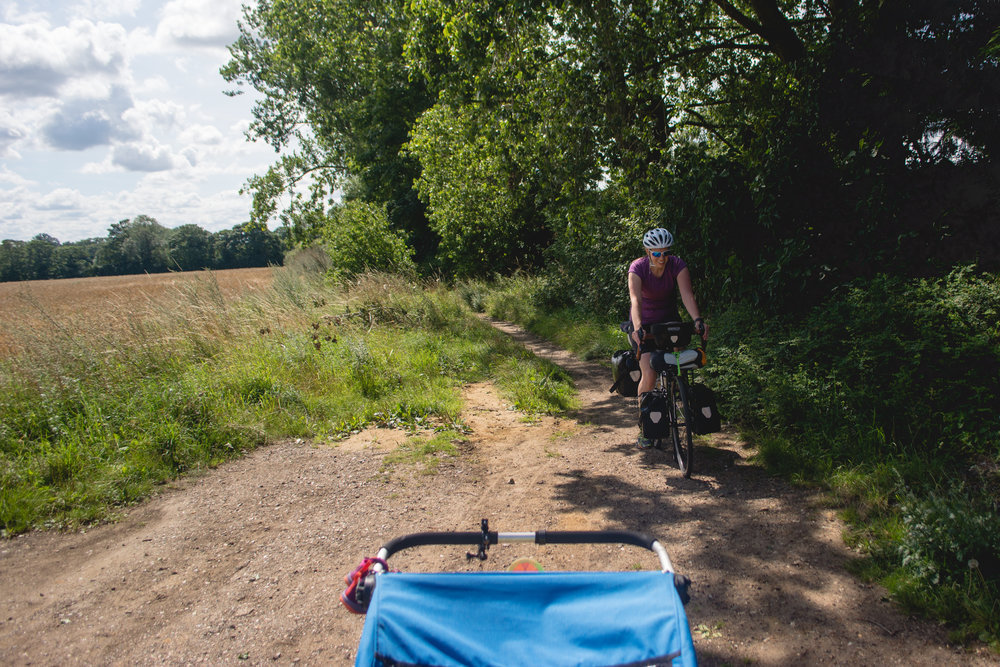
{"x":101,"y":302}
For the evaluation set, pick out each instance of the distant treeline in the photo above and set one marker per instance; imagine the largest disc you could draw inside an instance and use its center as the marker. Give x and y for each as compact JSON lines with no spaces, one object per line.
{"x":141,"y":245}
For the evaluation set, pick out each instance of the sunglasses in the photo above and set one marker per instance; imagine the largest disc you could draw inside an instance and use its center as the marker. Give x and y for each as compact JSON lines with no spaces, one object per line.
{"x":656,"y":253}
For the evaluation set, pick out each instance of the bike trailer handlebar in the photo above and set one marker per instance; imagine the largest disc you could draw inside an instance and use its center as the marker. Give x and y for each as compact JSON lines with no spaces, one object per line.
{"x":487,"y":538}
{"x":362,"y":581}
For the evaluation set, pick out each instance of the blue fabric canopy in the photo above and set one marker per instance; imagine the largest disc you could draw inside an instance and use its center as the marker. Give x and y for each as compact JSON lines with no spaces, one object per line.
{"x":595,"y":619}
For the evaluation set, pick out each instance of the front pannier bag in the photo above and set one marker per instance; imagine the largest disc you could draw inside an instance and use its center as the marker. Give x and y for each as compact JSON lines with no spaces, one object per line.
{"x":625,"y":372}
{"x":706,"y":411}
{"x":654,"y":419}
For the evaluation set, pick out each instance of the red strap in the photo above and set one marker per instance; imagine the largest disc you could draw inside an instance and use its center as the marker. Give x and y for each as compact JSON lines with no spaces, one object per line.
{"x":352,"y":580}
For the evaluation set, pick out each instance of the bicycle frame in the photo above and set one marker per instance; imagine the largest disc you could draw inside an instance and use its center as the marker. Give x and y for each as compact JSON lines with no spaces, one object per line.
{"x":673,"y":381}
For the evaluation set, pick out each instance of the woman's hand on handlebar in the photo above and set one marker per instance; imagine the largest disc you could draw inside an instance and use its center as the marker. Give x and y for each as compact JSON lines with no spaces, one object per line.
{"x":701,"y":327}
{"x":637,"y":335}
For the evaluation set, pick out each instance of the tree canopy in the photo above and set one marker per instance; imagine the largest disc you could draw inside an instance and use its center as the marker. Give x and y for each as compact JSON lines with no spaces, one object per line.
{"x":791,"y":145}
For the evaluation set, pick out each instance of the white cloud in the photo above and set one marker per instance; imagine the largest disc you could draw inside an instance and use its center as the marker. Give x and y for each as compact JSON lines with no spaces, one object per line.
{"x":13,"y":178}
{"x":142,"y":157}
{"x":64,"y":211}
{"x":84,"y":123}
{"x":37,"y":60}
{"x":12,"y":13}
{"x":142,"y":41}
{"x":199,"y":23}
{"x":98,"y":168}
{"x":10,"y":134}
{"x":203,"y":135}
{"x":149,"y":115}
{"x":105,"y":9}
{"x":154,"y":85}
{"x":77,"y":132}
{"x":62,"y":199}
{"x":99,"y":123}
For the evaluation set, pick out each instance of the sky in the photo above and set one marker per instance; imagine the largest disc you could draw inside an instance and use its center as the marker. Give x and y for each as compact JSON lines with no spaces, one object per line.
{"x":114,"y":108}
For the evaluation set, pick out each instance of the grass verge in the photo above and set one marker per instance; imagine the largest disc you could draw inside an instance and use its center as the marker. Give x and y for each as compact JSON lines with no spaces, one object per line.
{"x":95,"y":413}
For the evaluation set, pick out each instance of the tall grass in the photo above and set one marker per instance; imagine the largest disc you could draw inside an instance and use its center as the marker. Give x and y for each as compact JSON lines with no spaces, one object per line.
{"x":94,"y":413}
{"x":886,"y":396}
{"x":522,"y":299}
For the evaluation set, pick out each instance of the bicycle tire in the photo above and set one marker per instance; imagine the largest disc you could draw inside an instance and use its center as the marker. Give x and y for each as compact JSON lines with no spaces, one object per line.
{"x":680,"y":425}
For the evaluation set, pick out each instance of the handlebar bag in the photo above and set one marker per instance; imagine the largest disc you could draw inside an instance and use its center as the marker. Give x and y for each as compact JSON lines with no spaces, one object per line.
{"x":706,"y":411}
{"x":625,"y":373}
{"x":670,"y":335}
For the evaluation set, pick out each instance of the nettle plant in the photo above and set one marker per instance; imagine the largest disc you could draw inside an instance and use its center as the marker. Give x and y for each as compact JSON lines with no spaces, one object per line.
{"x":948,"y":537}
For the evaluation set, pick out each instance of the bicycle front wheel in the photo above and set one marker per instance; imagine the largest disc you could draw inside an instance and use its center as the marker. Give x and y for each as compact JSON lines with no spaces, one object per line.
{"x":680,"y":425}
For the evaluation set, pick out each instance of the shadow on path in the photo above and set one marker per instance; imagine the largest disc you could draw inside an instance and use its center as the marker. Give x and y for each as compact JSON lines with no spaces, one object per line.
{"x":767,"y":560}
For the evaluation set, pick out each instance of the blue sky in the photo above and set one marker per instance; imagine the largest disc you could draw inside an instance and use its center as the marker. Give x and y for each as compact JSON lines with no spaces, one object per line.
{"x":114,"y":108}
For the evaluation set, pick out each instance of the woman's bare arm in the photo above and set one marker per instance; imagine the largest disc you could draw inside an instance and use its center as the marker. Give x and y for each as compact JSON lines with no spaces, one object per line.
{"x":635,"y":311}
{"x":687,"y":296}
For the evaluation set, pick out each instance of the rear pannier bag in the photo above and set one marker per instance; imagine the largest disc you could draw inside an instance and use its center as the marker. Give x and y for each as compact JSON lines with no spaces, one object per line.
{"x":625,"y":372}
{"x":654,"y":418}
{"x":706,"y":417}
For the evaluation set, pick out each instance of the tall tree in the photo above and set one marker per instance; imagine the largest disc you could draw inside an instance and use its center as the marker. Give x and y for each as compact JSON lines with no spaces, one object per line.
{"x":821,"y":120}
{"x":246,"y":245}
{"x":12,"y":260}
{"x":138,"y":245}
{"x":485,"y":167}
{"x":38,"y":257}
{"x":75,"y":259}
{"x":190,"y":248}
{"x":338,"y":101}
{"x":831,"y":116}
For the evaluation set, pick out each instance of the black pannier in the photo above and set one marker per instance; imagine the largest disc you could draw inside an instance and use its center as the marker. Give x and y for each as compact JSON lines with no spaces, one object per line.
{"x":705,"y":417}
{"x":625,"y":372}
{"x":654,"y":418}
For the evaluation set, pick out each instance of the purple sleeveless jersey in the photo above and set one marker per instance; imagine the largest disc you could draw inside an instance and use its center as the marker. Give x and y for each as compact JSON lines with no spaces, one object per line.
{"x":659,"y":295}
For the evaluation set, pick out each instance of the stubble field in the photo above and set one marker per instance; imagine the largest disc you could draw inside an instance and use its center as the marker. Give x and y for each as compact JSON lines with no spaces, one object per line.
{"x":105,"y":302}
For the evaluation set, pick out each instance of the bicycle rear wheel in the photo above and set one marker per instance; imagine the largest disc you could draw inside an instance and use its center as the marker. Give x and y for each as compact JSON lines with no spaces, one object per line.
{"x":680,"y":425}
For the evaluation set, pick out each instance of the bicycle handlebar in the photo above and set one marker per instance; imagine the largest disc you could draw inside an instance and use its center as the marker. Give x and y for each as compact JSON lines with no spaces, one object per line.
{"x":681,"y":332}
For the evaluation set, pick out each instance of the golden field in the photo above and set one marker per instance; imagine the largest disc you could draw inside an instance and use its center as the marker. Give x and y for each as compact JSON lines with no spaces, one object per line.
{"x":108,"y":302}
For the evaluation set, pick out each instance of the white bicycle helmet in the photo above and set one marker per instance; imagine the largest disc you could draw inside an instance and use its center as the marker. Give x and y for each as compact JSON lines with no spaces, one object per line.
{"x":658,"y":238}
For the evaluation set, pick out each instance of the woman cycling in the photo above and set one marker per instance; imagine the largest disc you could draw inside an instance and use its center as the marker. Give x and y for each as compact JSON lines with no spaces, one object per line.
{"x":653,"y":283}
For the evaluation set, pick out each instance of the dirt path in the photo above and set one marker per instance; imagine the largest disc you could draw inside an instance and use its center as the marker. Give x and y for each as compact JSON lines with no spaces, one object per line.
{"x":244,"y":564}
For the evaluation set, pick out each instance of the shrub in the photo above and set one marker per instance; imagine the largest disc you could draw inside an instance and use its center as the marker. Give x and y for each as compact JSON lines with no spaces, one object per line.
{"x":306,"y":261}
{"x":883,"y":368}
{"x":950,"y":559}
{"x":889,"y":376}
{"x":359,"y":239}
{"x":948,"y":532}
{"x":589,"y":260}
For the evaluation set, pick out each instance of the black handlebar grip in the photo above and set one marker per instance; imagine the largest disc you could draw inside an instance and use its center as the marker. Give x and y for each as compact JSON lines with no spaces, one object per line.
{"x":425,"y":539}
